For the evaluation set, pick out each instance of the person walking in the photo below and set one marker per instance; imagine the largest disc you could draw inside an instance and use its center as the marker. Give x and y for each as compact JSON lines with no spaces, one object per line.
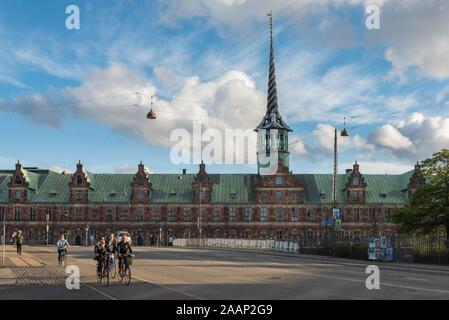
{"x":13,"y":238}
{"x":19,"y":241}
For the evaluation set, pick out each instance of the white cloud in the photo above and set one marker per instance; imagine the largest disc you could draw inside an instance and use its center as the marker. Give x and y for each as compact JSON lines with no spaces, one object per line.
{"x":126,"y":168}
{"x":415,"y":138}
{"x":166,"y":76}
{"x":60,"y":169}
{"x":107,"y":97}
{"x":325,"y":137}
{"x":297,"y":146}
{"x":407,"y":27}
{"x":388,"y":136}
{"x":378,"y":167}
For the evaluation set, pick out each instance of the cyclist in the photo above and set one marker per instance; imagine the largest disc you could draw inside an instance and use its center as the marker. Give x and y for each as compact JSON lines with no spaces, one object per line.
{"x":112,"y":245}
{"x":100,"y":253}
{"x":123,"y":249}
{"x":62,"y":245}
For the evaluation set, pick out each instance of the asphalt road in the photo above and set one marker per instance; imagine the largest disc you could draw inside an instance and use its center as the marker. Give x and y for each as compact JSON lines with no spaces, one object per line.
{"x":185,"y":274}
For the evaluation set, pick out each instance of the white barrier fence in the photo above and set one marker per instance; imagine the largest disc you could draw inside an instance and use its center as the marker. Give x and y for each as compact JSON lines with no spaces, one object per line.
{"x":275,"y":245}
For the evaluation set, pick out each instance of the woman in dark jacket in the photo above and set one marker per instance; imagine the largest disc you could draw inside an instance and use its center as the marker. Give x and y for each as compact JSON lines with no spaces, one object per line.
{"x":19,"y":241}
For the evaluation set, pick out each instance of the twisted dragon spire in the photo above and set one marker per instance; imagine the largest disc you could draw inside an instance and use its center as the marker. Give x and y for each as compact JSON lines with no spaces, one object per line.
{"x":273,"y":118}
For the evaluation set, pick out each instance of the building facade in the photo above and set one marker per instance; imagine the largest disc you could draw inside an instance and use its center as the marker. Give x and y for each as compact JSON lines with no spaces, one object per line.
{"x":44,"y":204}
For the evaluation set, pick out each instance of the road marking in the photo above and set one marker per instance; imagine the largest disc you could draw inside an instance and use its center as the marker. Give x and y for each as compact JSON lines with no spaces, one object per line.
{"x":416,"y":279}
{"x":349,"y":271}
{"x":85,"y":284}
{"x":143,"y":280}
{"x":319,"y":276}
{"x":170,"y":289}
{"x":298,"y":256}
{"x":382,"y":283}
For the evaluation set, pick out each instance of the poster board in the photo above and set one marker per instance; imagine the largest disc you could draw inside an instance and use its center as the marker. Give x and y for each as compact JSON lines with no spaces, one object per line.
{"x":380,"y":249}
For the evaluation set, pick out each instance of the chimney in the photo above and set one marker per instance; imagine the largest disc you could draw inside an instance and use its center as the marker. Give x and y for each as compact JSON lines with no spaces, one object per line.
{"x":184,"y":171}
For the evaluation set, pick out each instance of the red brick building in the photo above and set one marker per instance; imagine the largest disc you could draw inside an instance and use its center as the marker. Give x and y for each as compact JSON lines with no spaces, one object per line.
{"x":282,"y":204}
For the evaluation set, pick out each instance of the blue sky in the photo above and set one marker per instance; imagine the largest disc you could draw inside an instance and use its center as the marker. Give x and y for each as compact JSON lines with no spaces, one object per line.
{"x":69,"y":95}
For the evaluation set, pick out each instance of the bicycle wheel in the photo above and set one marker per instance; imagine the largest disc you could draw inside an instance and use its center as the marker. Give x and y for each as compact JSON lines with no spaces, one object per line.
{"x":99,"y":275}
{"x":63,"y":261}
{"x":106,"y":276}
{"x":113,"y":269}
{"x":127,"y":275}
{"x":120,"y":274}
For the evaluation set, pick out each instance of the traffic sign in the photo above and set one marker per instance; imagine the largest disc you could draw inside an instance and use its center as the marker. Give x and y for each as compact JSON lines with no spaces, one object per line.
{"x":337,"y":225}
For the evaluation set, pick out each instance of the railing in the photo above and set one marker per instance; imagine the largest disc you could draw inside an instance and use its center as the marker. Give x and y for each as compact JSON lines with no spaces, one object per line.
{"x":422,"y":249}
{"x":285,"y":246}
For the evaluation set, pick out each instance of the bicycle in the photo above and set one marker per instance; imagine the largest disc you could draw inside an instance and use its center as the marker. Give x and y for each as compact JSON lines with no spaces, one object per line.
{"x":103,"y":275}
{"x":112,"y":266}
{"x":124,"y":272}
{"x":62,"y":259}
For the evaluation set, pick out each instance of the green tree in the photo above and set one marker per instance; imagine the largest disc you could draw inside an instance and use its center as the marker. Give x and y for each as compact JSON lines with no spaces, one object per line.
{"x":428,"y":209}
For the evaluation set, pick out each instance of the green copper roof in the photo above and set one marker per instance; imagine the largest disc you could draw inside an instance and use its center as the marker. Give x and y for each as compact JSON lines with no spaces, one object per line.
{"x":232,"y":188}
{"x":53,"y":187}
{"x":4,"y":180}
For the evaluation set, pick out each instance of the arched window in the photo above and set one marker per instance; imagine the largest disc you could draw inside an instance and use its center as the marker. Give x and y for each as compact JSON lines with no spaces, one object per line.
{"x":18,"y":180}
{"x":140,"y":180}
{"x":278,"y":180}
{"x":79,"y":179}
{"x":417,"y":182}
{"x":356,"y":196}
{"x":355,"y":181}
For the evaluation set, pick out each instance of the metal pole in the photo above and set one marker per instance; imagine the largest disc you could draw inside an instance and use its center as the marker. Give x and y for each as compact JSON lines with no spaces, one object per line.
{"x":4,"y":237}
{"x":46,"y":229}
{"x":334,"y":190}
{"x":199,"y":212}
{"x":113,"y":211}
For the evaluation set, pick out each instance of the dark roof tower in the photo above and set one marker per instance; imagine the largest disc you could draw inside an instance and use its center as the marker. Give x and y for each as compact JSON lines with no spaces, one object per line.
{"x":273,"y":118}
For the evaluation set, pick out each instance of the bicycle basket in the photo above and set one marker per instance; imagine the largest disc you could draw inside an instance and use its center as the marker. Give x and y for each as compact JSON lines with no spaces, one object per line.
{"x":129,"y":260}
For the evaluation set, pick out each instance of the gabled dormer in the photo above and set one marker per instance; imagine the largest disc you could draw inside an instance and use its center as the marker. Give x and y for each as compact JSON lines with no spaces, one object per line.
{"x":416,"y":181}
{"x":141,"y":186}
{"x":279,"y":188}
{"x":356,"y":186}
{"x":18,"y":186}
{"x":202,"y":180}
{"x":79,"y":186}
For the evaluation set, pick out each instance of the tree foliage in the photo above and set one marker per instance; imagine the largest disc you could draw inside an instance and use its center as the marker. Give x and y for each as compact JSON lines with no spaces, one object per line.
{"x":428,"y":209}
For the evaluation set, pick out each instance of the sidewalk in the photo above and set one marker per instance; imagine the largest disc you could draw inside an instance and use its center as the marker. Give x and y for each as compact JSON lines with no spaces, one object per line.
{"x":6,"y":275}
{"x":415,"y":266}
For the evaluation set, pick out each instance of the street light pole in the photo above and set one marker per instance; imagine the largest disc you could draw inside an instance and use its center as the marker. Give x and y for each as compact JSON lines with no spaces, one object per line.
{"x":334,"y":191}
{"x":344,"y":133}
{"x":46,"y":228}
{"x":114,"y":208}
{"x":199,"y":212}
{"x":4,"y":237}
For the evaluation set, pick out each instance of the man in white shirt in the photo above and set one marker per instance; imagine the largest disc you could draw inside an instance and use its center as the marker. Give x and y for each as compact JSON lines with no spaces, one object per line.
{"x":62,"y":245}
